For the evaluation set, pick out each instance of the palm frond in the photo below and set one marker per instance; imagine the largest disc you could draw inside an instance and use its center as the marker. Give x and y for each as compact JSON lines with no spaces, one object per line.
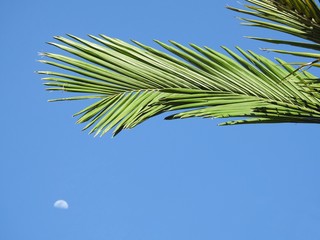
{"x":134,"y":82}
{"x":300,"y":18}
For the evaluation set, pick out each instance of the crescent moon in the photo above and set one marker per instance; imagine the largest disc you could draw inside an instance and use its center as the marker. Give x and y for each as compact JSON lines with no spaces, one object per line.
{"x":61,"y":204}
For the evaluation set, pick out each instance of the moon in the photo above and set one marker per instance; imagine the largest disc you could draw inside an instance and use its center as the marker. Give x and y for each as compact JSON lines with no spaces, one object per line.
{"x":61,"y":204}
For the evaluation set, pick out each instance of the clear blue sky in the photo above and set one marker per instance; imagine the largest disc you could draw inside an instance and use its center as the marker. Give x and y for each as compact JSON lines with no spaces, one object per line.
{"x":182,"y":179}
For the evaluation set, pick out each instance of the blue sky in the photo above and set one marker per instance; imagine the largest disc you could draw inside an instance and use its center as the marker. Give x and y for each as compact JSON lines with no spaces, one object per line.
{"x":182,"y":179}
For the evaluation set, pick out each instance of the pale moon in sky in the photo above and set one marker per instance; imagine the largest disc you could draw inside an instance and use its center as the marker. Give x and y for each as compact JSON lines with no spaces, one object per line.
{"x":61,"y":204}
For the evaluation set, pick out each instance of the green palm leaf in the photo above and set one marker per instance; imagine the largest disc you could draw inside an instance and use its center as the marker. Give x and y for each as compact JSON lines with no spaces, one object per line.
{"x":133,"y":84}
{"x":300,"y":18}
